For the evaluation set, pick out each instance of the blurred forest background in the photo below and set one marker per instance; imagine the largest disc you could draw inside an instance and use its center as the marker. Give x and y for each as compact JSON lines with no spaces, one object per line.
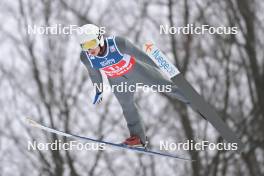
{"x":42,"y":77}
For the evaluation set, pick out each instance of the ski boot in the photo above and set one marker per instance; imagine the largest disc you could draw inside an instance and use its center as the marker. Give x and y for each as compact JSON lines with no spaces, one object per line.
{"x":135,"y":141}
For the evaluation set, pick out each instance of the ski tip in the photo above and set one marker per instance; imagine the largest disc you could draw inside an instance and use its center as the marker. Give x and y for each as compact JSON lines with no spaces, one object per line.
{"x":187,"y":159}
{"x":31,"y":122}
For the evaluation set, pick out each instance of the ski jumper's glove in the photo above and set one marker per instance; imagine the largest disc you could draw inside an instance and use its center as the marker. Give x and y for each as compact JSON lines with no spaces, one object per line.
{"x":98,"y":98}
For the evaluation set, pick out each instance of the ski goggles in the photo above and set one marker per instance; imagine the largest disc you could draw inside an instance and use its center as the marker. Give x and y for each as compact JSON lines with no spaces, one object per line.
{"x":92,"y":44}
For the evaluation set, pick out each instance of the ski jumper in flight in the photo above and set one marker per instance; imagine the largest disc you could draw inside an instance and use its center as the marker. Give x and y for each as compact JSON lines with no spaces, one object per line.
{"x":122,"y":61}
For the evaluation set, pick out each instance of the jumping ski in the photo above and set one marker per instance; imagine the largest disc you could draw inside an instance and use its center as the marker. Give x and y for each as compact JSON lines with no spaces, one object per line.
{"x":196,"y":102}
{"x":122,"y":146}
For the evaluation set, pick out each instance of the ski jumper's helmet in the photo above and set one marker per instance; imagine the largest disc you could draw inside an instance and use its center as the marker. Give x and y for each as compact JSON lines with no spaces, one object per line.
{"x":90,"y":37}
